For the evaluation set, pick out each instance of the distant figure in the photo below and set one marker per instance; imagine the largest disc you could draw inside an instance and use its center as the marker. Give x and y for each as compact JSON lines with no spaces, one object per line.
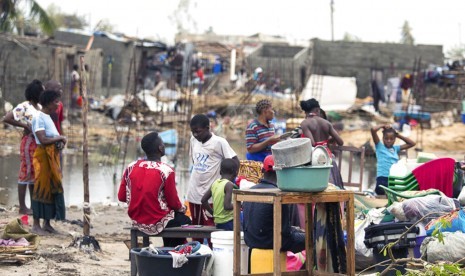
{"x":258,"y":218}
{"x":260,"y":133}
{"x":21,"y":116}
{"x":387,"y":153}
{"x":149,"y":188}
{"x":75,"y":85}
{"x":48,"y":201}
{"x":221,"y":191}
{"x":207,"y":151}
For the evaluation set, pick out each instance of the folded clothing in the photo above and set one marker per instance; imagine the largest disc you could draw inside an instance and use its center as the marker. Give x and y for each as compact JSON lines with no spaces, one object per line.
{"x":12,"y":242}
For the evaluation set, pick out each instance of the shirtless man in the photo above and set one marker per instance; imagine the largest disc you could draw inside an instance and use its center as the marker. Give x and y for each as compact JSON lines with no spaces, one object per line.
{"x":319,"y":130}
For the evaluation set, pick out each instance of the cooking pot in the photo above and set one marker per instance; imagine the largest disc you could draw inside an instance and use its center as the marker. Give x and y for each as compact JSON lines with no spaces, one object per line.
{"x":320,"y":156}
{"x":292,"y":152}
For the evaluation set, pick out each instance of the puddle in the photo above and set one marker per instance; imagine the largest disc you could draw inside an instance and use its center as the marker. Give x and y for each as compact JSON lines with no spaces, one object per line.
{"x":104,"y":179}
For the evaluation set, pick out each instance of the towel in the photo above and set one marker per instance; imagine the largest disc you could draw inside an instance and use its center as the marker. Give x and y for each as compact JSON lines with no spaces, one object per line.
{"x":178,"y":259}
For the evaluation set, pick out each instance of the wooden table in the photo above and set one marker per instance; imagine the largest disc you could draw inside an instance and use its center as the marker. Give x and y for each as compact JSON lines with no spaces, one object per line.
{"x":277,"y":198}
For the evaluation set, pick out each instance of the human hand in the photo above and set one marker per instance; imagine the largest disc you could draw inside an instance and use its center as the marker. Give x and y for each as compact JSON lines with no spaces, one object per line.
{"x":274,"y":139}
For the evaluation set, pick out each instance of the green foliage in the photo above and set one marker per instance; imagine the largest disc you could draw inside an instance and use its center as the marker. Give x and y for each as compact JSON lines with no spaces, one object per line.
{"x":16,"y":15}
{"x":456,"y":53}
{"x":72,"y":21}
{"x":437,"y":270}
{"x":406,"y":34}
{"x":351,"y":38}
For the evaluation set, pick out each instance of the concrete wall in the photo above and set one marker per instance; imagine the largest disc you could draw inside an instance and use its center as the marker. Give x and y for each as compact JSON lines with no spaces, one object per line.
{"x":282,"y":61}
{"x":359,"y":59}
{"x":121,"y":52}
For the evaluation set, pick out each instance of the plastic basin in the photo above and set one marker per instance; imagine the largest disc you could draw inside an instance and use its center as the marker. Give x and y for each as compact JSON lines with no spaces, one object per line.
{"x":303,"y":178}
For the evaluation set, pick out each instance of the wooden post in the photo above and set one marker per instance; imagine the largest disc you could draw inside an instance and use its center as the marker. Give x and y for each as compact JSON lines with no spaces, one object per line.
{"x":85,"y":152}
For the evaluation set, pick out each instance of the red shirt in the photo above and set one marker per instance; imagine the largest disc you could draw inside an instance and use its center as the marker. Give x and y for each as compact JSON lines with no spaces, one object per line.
{"x":58,"y":117}
{"x":149,"y":188}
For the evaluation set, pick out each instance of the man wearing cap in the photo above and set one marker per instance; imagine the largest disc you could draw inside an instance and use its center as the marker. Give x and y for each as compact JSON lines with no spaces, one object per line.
{"x":258,"y":218}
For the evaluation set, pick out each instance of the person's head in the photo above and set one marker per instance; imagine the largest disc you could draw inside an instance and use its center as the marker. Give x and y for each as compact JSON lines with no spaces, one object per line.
{"x":200,"y":127}
{"x":50,"y":100}
{"x":264,"y":108}
{"x":54,"y":85}
{"x":389,"y":137}
{"x":267,"y":169}
{"x":311,"y":105}
{"x":228,"y":168}
{"x":152,"y":145}
{"x":75,"y":67}
{"x":33,"y":91}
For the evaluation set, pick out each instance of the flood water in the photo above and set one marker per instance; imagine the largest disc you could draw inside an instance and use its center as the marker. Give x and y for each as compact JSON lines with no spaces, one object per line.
{"x":104,"y":179}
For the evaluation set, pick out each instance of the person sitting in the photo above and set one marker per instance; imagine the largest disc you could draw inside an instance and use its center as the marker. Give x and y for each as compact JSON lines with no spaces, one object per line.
{"x":148,"y":187}
{"x":258,"y":218}
{"x":221,"y":191}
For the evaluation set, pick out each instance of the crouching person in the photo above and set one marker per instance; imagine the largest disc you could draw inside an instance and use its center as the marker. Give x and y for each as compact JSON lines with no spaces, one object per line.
{"x":148,"y":187}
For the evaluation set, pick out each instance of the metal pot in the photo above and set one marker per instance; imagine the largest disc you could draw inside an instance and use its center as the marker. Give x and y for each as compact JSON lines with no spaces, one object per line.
{"x":292,"y":153}
{"x":320,"y":156}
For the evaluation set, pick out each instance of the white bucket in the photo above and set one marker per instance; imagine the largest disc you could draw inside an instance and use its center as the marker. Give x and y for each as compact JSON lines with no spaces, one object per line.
{"x":223,"y":250}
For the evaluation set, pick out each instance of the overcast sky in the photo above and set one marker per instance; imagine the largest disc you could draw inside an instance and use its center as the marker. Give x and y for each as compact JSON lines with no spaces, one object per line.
{"x":432,"y":22}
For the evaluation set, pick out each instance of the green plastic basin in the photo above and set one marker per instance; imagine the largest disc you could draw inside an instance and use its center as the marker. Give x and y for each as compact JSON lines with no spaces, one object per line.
{"x":303,"y":178}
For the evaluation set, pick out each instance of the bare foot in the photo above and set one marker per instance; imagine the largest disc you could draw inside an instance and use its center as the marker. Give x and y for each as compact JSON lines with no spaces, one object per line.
{"x":25,"y":211}
{"x":49,"y":229}
{"x":39,"y":231}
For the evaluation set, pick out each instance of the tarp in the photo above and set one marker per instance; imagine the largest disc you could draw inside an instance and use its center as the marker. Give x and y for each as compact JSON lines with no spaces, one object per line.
{"x":333,"y":93}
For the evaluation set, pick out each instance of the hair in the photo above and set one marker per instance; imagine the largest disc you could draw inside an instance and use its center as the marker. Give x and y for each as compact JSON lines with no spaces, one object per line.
{"x":309,"y":105}
{"x":262,"y":105}
{"x":53,"y":85}
{"x":75,"y":67}
{"x":228,"y":166}
{"x":33,"y":91}
{"x":48,"y":97}
{"x":323,"y":114}
{"x":389,"y":130}
{"x":150,"y":143}
{"x":200,"y":120}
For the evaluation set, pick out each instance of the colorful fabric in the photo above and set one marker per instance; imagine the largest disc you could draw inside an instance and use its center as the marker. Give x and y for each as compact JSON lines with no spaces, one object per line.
{"x":386,"y":157}
{"x":220,"y":215}
{"x":149,"y":189}
{"x":436,"y":174}
{"x":24,"y":112}
{"x":26,"y":169}
{"x":47,"y":174}
{"x":256,"y":133}
{"x":206,"y":161}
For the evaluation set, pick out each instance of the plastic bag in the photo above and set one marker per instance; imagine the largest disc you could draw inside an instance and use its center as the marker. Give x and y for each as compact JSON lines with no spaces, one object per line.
{"x":416,"y":208}
{"x":452,"y":250}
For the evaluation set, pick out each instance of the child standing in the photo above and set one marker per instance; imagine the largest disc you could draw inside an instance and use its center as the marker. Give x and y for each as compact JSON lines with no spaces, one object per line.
{"x":207,"y":151}
{"x":387,"y":153}
{"x":221,"y":191}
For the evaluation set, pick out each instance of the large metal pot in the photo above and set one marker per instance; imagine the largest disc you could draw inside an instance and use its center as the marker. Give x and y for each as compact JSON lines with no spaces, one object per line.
{"x":292,"y":152}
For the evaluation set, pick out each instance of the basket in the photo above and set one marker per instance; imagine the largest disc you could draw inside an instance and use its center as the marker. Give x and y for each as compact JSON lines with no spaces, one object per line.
{"x":250,"y":170}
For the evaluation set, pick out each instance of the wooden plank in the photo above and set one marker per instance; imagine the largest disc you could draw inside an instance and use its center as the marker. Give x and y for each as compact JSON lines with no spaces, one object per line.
{"x":309,"y":237}
{"x":254,"y":198}
{"x":277,"y":210}
{"x":237,"y":237}
{"x":350,"y":217}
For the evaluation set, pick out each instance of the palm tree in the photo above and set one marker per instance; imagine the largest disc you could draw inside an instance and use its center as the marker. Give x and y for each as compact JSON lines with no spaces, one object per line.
{"x":12,"y":17}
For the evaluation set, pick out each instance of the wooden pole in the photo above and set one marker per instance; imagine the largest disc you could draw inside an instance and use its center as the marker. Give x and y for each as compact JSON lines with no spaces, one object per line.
{"x":85,"y":149}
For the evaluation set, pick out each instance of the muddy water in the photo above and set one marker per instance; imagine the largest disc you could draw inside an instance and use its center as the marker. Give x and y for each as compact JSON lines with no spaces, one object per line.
{"x":104,"y":179}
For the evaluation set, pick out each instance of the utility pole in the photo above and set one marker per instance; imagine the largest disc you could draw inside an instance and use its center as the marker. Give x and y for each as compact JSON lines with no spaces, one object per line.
{"x":332,"y":20}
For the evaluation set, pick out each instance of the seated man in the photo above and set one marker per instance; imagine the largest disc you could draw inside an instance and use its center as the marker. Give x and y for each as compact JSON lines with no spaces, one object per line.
{"x":149,"y":188}
{"x":258,"y":218}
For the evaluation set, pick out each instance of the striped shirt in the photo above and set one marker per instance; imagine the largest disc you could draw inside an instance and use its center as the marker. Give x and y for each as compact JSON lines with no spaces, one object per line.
{"x":257,"y":132}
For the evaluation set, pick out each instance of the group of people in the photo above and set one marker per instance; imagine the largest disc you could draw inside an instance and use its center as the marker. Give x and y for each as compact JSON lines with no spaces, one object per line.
{"x":149,"y":188}
{"x":40,"y":116}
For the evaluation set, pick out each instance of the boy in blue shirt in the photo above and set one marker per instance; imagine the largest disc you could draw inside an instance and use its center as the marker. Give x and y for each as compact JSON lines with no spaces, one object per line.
{"x":387,"y":153}
{"x":221,"y":191}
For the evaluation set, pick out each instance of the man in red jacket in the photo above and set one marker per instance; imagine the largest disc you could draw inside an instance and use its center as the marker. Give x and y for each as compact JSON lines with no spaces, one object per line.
{"x":148,"y":187}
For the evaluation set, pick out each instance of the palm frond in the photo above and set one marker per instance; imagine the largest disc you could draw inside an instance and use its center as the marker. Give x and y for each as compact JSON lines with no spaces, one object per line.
{"x":46,"y":23}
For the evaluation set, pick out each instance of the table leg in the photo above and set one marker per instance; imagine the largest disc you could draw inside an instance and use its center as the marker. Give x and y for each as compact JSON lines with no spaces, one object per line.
{"x":237,"y":237}
{"x":277,"y":210}
{"x":350,"y":236}
{"x":310,"y":236}
{"x":132,"y":258}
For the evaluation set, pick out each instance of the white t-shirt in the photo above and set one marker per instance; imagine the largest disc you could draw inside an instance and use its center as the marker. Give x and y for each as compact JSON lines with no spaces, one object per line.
{"x":206,"y":163}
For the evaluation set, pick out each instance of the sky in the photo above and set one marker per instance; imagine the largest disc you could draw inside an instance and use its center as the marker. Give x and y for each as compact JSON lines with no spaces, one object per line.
{"x":432,"y":22}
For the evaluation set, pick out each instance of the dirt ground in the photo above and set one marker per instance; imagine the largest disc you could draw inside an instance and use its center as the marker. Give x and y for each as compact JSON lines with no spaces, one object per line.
{"x":57,"y":256}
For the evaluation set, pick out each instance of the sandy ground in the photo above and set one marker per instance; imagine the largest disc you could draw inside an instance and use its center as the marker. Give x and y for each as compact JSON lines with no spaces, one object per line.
{"x":57,"y":256}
